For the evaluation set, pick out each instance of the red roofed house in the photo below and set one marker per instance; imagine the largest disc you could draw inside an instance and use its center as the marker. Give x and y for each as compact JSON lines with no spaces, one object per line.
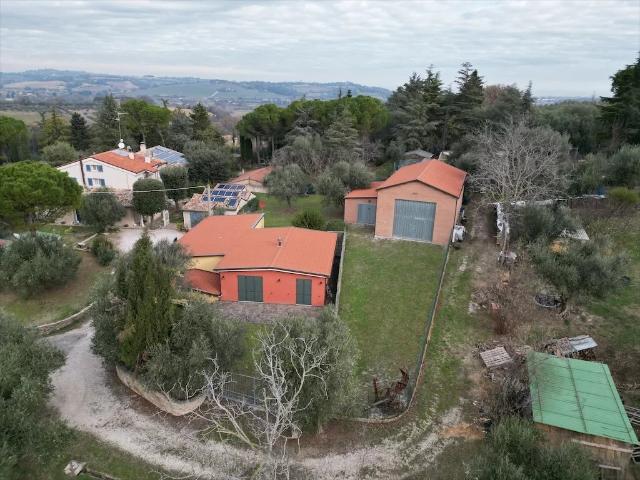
{"x":253,"y":179}
{"x":235,"y":259}
{"x":418,"y":202}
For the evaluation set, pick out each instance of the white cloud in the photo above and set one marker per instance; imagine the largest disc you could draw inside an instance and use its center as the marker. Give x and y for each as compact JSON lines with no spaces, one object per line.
{"x":564,"y":47}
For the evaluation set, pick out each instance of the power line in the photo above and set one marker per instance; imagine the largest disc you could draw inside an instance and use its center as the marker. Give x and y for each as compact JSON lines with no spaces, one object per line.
{"x":145,"y":191}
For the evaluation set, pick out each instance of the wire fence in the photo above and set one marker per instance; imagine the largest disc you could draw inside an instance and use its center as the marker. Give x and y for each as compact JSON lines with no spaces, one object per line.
{"x":243,"y":389}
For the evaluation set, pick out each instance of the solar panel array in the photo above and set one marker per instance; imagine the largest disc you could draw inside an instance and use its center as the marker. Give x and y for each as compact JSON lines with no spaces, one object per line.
{"x":225,"y":193}
{"x":167,"y":155}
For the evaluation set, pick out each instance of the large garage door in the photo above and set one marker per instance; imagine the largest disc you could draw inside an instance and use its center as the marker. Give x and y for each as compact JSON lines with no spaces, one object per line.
{"x":414,"y":220}
{"x":367,"y":214}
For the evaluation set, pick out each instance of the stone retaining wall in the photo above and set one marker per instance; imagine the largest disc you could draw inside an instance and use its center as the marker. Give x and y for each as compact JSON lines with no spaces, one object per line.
{"x":160,"y":400}
{"x":49,"y":328}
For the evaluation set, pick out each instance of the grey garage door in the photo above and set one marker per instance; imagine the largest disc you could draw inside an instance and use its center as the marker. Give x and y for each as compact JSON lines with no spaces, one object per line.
{"x":367,"y":214}
{"x":414,"y":220}
{"x":196,"y":218}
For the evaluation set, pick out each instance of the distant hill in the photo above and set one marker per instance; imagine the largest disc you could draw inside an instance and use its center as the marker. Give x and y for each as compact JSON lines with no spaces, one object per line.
{"x":83,"y":86}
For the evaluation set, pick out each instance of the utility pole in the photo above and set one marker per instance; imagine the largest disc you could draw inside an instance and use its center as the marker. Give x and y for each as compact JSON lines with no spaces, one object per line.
{"x":208,"y":199}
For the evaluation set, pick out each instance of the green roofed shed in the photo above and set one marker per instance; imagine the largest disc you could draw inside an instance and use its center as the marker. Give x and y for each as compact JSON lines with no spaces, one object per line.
{"x":577,"y":395}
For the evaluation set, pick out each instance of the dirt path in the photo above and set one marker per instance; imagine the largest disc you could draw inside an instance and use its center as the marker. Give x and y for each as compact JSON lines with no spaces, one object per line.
{"x":88,"y":399}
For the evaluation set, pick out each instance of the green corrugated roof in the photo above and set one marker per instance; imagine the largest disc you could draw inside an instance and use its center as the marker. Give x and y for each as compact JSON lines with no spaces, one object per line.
{"x":578,"y":396}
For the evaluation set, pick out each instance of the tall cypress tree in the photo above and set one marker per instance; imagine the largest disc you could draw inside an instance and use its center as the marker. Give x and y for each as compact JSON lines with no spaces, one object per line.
{"x":107,"y":134}
{"x":200,"y":118}
{"x":149,"y":308}
{"x":79,"y":134}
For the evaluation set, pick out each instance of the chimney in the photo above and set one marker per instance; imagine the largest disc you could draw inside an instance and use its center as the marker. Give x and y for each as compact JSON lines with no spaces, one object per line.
{"x":147,"y":155}
{"x":131,"y":155}
{"x":143,"y":147}
{"x":279,"y":241}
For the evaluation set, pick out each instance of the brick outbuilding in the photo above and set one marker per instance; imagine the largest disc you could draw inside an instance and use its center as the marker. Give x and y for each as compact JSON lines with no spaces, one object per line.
{"x":418,"y":202}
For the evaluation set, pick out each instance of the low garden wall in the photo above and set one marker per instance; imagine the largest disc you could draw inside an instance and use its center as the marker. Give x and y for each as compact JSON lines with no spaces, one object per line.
{"x":49,"y":328}
{"x":160,"y":400}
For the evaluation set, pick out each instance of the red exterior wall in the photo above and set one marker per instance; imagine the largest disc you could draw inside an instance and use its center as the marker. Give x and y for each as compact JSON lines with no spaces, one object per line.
{"x":447,"y":208}
{"x":351,"y":208}
{"x":277,"y":287}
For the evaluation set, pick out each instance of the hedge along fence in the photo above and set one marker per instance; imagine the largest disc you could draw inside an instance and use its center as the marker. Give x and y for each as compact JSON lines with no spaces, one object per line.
{"x":50,"y":328}
{"x":416,"y":374}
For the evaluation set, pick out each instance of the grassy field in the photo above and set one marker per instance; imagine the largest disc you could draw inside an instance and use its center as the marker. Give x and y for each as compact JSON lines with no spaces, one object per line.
{"x":619,"y":330}
{"x":99,"y":456}
{"x":388,"y":287}
{"x":279,"y":214}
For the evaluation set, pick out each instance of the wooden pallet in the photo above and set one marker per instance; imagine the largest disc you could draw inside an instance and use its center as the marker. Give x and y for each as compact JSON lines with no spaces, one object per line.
{"x":495,"y":357}
{"x":634,"y":415}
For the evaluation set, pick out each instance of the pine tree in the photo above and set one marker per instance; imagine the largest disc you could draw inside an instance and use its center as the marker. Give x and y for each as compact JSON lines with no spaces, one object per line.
{"x":54,"y":129}
{"x":79,"y":134}
{"x":342,"y":139}
{"x":107,"y":134}
{"x":527,"y":99}
{"x":149,"y":307}
{"x":200,"y":119}
{"x":620,"y":111}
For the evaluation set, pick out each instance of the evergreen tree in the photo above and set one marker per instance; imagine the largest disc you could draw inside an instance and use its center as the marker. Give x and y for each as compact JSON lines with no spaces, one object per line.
{"x":106,"y":129}
{"x":200,"y":119}
{"x":148,"y":196}
{"x":149,"y":308}
{"x":342,"y":139}
{"x":14,"y":140}
{"x":180,"y":130}
{"x":175,"y":177}
{"x":466,"y":102}
{"x":527,"y":99}
{"x":621,"y":112}
{"x":207,"y":163}
{"x":54,"y":129}
{"x":79,"y":137}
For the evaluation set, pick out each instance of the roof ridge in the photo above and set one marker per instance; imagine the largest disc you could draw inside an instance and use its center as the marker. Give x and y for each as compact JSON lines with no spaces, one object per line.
{"x":280,"y":249}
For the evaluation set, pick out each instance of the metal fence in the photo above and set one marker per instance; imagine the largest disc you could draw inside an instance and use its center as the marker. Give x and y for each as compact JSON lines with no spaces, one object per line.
{"x":243,"y":389}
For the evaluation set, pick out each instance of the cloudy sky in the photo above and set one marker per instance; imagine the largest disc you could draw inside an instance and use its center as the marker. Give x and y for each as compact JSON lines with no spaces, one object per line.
{"x":563,"y":47}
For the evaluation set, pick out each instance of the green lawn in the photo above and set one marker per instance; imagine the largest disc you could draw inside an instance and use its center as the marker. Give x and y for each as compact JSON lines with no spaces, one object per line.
{"x":388,"y":288}
{"x":619,"y":330}
{"x":279,"y":214}
{"x":99,"y":456}
{"x":57,"y":303}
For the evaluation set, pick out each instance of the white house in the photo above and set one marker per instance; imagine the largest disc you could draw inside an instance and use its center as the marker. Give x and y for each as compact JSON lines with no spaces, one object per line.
{"x":117,"y":170}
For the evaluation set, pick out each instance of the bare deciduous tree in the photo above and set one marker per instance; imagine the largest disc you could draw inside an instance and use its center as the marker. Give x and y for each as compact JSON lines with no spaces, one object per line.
{"x":517,"y":162}
{"x":284,"y":366}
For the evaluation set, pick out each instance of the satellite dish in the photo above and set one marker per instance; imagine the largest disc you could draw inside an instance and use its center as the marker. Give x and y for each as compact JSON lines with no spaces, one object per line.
{"x":121,"y":144}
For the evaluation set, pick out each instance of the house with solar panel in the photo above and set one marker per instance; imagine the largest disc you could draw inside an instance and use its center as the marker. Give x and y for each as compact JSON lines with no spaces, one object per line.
{"x":577,"y":401}
{"x":118,"y":170}
{"x":223,"y":199}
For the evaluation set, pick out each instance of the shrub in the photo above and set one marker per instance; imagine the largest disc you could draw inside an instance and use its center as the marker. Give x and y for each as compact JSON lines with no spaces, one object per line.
{"x":580,"y":268}
{"x":311,"y":219}
{"x":59,"y":153}
{"x":251,"y":206}
{"x":100,"y":210}
{"x":624,"y":166}
{"x":516,"y":450}
{"x":531,"y":223}
{"x":27,"y":429}
{"x":623,"y":198}
{"x":198,"y":334}
{"x":335,"y":225}
{"x":36,"y":262}
{"x":103,"y":250}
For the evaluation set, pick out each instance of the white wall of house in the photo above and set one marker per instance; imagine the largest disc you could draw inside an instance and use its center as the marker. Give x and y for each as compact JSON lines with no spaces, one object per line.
{"x":100,"y":174}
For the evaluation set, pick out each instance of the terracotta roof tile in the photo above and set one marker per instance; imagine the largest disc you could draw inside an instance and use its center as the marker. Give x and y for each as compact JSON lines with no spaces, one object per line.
{"x":370,"y":192}
{"x":434,"y":173}
{"x":301,"y":250}
{"x":203,"y":281}
{"x":120,"y":159}
{"x":257,"y":175}
{"x":217,"y":234}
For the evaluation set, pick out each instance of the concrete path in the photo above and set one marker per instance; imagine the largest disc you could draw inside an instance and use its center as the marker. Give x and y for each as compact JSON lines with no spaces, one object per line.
{"x":127,"y":237}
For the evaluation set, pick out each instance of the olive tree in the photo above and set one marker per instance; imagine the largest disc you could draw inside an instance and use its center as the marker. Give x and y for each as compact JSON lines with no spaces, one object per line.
{"x":101,"y":209}
{"x":149,"y":197}
{"x":287,"y":182}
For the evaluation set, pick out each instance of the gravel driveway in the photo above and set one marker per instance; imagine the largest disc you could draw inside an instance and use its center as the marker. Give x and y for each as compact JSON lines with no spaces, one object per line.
{"x":91,"y":399}
{"x":127,"y":237}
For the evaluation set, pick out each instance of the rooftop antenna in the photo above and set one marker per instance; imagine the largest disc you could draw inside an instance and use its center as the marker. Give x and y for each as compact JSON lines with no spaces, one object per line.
{"x":121,"y":143}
